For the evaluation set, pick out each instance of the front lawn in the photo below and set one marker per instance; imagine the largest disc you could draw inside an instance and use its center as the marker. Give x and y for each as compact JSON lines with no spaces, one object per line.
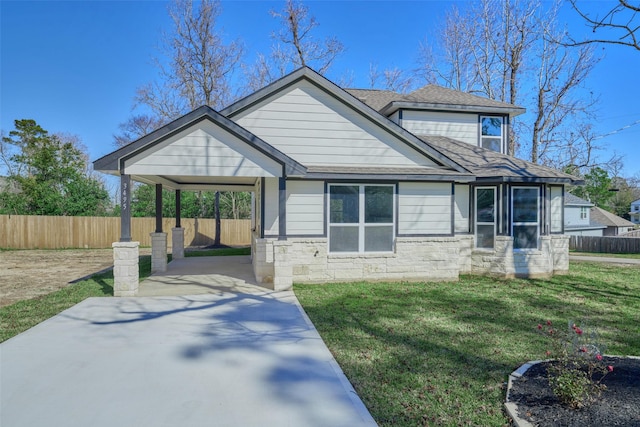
{"x":440,"y":353}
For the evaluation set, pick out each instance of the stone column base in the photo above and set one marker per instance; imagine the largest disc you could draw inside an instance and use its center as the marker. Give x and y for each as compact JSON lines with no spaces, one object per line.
{"x":158,"y":252}
{"x":282,"y":266}
{"x":125,"y":269}
{"x":177,"y":243}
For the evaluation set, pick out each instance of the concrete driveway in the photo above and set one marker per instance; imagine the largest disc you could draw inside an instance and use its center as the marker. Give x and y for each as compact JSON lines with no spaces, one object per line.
{"x":224,"y":359}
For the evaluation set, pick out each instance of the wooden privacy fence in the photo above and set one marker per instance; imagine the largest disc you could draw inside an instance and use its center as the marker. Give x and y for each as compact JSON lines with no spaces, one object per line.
{"x":55,"y":232}
{"x":608,"y":245}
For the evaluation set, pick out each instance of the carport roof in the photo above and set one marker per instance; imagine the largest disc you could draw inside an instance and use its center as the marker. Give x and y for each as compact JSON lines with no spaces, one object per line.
{"x":113,"y":162}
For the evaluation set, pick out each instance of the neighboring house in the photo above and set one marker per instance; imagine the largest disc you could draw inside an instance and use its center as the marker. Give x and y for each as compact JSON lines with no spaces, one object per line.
{"x":577,"y":217}
{"x":615,"y":225}
{"x":634,"y":212}
{"x":363,"y":184}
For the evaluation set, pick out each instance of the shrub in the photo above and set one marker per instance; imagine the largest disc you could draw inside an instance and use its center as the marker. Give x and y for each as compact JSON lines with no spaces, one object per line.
{"x":577,"y":369}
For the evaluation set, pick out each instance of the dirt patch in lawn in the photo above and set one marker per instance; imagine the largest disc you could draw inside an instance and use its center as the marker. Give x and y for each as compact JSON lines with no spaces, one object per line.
{"x":31,"y":273}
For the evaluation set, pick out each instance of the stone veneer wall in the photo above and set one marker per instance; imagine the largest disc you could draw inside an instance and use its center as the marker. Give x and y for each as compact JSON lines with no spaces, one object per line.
{"x":305,"y":260}
{"x":503,"y":261}
{"x":427,"y":258}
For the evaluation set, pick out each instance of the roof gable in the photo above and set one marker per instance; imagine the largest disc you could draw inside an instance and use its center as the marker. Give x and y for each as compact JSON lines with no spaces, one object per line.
{"x":215,"y":133}
{"x":305,"y":81}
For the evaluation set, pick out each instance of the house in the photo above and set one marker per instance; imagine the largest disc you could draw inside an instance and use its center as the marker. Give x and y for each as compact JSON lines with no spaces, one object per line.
{"x":577,"y":217}
{"x":356,"y":185}
{"x":634,"y":212}
{"x":615,"y":225}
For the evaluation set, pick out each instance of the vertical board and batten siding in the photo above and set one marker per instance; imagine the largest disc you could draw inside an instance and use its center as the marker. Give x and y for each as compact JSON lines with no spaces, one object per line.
{"x":424,"y":208}
{"x":462,"y":209}
{"x":460,"y":126}
{"x":58,"y":232}
{"x":557,"y":206}
{"x":314,"y":128}
{"x":206,"y":151}
{"x":305,"y":208}
{"x":271,"y":206}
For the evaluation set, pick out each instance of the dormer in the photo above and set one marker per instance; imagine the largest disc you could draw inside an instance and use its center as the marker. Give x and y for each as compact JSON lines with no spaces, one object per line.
{"x":437,"y":111}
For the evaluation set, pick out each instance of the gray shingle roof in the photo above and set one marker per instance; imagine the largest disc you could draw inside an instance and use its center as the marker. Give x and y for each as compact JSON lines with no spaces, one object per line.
{"x":374,"y":98}
{"x":607,"y":218}
{"x":430,"y":96}
{"x":571,"y":200}
{"x":489,"y":165}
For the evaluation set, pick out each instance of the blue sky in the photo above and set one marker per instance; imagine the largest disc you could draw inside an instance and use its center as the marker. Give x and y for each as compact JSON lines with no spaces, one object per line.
{"x":74,"y":66}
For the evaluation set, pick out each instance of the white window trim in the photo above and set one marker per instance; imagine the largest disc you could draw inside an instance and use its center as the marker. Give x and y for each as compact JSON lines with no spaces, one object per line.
{"x":537,"y":223}
{"x":361,"y":218}
{"x":475,"y":217}
{"x":502,"y":132}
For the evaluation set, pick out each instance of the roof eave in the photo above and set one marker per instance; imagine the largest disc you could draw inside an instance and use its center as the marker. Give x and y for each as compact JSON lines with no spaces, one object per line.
{"x":528,"y":179}
{"x":394,"y":106}
{"x":345,"y":176}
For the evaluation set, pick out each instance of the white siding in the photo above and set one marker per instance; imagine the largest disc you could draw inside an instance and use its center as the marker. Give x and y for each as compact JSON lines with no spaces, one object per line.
{"x":424,"y":208}
{"x":460,"y":126}
{"x":556,"y":209}
{"x":572,"y":216}
{"x":207,"y":150}
{"x":315,"y":129}
{"x":305,"y":207}
{"x":271,"y":206}
{"x":462,"y":209}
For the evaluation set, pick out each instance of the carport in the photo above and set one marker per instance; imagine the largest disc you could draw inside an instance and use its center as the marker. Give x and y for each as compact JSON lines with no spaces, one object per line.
{"x":202,"y":150}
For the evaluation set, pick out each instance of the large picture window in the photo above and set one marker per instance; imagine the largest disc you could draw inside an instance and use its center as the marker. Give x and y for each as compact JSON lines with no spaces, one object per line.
{"x":491,"y":134}
{"x":485,"y":217}
{"x":361,"y":218}
{"x":525,"y":217}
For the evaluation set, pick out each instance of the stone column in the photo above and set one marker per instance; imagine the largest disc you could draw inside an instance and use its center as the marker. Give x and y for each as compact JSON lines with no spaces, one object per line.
{"x":158,"y":252}
{"x":560,"y":253}
{"x":177,"y":245}
{"x":282,"y":266}
{"x":125,"y":269}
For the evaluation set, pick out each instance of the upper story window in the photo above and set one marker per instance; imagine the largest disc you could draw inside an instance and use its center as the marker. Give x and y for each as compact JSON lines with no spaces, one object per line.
{"x":583,"y":212}
{"x":361,"y":218}
{"x":491,"y":133}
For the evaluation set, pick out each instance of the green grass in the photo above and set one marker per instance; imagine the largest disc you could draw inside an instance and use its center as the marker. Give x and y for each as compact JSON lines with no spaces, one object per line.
{"x":19,"y":317}
{"x":598,"y":254}
{"x":440,"y":353}
{"x":218,"y":252}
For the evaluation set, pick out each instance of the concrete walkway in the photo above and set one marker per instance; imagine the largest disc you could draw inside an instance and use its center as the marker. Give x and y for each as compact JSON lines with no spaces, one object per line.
{"x":201,"y":275}
{"x":220,"y":359}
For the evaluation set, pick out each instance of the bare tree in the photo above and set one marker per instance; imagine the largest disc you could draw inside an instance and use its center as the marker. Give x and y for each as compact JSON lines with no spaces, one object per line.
{"x":620,"y":24}
{"x":200,"y":63}
{"x":135,"y":127}
{"x":394,"y":79}
{"x":560,"y":73}
{"x":504,"y":50}
{"x":294,"y":47}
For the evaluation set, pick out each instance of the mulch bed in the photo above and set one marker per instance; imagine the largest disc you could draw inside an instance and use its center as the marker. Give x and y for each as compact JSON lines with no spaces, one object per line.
{"x":618,"y":405}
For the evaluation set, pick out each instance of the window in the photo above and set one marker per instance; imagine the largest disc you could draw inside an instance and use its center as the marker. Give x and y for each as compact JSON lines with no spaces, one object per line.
{"x":485,"y":217}
{"x":583,"y":212}
{"x":361,"y":218}
{"x":525,"y":211}
{"x":491,"y":133}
